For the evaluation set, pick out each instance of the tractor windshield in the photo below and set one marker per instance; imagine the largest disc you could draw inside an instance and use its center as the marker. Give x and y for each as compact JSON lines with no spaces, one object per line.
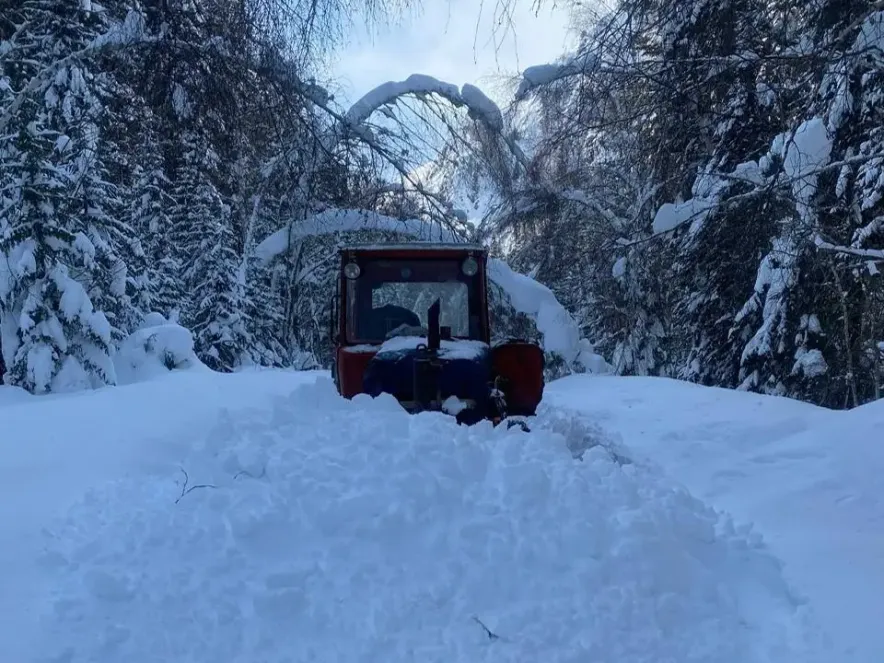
{"x":392,"y":296}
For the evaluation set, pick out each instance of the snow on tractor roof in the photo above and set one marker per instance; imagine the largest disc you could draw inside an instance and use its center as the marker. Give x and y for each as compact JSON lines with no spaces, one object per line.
{"x":414,"y":246}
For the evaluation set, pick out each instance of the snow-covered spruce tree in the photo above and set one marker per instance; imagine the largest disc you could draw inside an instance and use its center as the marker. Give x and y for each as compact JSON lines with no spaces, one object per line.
{"x":135,"y":169}
{"x":214,"y":308}
{"x":223,"y":90}
{"x":65,"y":288}
{"x":150,"y":213}
{"x":579,"y":219}
{"x":842,"y":282}
{"x":281,"y":180}
{"x":712,"y":55}
{"x":814,"y":316}
{"x":48,"y":321}
{"x":186,"y":199}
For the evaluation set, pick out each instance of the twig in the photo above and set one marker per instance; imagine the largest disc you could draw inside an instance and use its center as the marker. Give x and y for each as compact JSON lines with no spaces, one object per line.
{"x":491,"y":635}
{"x":250,"y":475}
{"x":185,"y":489}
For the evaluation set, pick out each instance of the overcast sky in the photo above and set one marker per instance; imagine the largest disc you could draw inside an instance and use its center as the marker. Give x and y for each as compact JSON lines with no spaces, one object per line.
{"x":441,"y":40}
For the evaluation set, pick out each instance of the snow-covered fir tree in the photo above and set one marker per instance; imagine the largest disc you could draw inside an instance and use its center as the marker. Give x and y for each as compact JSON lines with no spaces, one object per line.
{"x":699,"y":183}
{"x":66,"y":285}
{"x":747,"y":133}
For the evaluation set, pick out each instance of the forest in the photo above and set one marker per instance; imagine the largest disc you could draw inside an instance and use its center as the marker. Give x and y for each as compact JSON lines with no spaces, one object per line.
{"x":699,"y":183}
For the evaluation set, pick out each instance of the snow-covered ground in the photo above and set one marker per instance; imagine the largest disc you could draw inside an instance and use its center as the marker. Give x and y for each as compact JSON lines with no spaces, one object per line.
{"x":330,"y":530}
{"x":809,"y":479}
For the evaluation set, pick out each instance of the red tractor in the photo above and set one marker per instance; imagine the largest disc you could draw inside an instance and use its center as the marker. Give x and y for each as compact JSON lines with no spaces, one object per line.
{"x":412,"y":321}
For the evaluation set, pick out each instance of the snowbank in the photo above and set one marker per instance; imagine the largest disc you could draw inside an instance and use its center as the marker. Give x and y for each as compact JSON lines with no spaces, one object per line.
{"x":12,"y":395}
{"x":54,"y":448}
{"x":808,"y":478}
{"x":155,"y":349}
{"x":315,"y":528}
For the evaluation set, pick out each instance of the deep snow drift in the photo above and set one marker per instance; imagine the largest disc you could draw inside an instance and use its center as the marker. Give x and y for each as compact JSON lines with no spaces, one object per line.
{"x":809,"y":479}
{"x":55,"y":448}
{"x":312,"y":528}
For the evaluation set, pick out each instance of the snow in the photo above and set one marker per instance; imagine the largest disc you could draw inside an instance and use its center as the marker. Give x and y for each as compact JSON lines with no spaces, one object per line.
{"x":453,"y":349}
{"x":803,"y":151}
{"x":272,"y":520}
{"x":871,"y":34}
{"x":810,"y":363}
{"x":389,"y":92}
{"x":544,"y":74}
{"x":55,"y":448}
{"x":10,"y":394}
{"x":75,"y":305}
{"x":454,"y":406}
{"x":459,"y":247}
{"x":560,"y":331}
{"x":362,"y":348}
{"x":672,"y":215}
{"x":346,"y":220}
{"x":131,"y":30}
{"x":776,"y":275}
{"x":708,"y":189}
{"x":480,"y":106}
{"x":153,"y":350}
{"x":808,"y":478}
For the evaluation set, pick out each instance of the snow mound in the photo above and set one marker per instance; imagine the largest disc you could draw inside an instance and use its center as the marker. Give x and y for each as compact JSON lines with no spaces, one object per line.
{"x":808,"y":478}
{"x":55,"y":447}
{"x":155,"y":349}
{"x":351,"y":531}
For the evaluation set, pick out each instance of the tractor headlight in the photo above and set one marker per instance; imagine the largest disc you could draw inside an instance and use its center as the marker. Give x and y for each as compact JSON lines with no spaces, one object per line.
{"x":352,"y":270}
{"x":470,"y":267}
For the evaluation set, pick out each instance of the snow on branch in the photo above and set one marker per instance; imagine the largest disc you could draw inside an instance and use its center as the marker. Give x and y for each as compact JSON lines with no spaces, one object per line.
{"x":802,"y":155}
{"x":481,"y":108}
{"x":869,"y":254}
{"x":129,"y":32}
{"x":347,"y":220}
{"x":544,"y":74}
{"x":387,"y":93}
{"x":561,"y":333}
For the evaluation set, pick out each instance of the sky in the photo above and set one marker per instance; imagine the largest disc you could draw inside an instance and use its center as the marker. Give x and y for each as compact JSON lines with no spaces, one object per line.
{"x":452,"y":40}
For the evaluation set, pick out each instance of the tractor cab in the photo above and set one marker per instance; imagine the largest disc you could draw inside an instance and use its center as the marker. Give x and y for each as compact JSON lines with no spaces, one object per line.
{"x":412,"y":321}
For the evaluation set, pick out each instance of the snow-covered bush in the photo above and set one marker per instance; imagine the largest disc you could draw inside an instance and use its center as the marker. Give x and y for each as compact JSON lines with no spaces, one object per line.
{"x":157,"y":347}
